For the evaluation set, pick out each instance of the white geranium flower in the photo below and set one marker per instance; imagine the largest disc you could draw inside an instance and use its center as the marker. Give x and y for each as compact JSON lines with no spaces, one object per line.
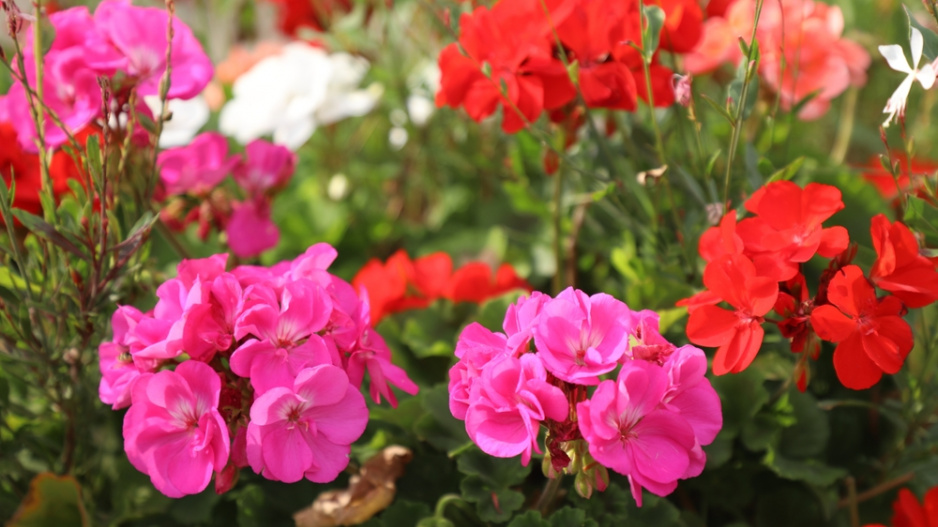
{"x":188,"y":117}
{"x":895,"y":56}
{"x":290,"y":94}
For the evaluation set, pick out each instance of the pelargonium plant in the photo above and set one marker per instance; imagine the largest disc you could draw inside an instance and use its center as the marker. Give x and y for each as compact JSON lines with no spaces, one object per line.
{"x":611,"y":392}
{"x":253,"y":367}
{"x":756,"y":266}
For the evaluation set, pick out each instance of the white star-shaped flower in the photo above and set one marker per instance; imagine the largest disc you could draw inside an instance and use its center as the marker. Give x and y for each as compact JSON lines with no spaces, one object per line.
{"x":894,"y":55}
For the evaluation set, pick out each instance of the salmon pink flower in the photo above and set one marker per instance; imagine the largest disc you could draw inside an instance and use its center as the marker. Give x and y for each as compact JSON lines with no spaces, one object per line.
{"x":173,"y":431}
{"x":871,"y":336}
{"x":737,"y":333}
{"x":304,"y":430}
{"x":896,"y":59}
{"x":510,"y":400}
{"x":580,"y":337}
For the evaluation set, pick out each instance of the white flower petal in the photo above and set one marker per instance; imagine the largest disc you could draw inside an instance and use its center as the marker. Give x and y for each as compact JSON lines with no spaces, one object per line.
{"x":895,"y":106}
{"x":895,"y":57}
{"x":917,"y":43}
{"x":926,"y":76}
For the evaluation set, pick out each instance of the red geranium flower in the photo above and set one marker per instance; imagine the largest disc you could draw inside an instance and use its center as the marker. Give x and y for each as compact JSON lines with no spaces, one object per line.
{"x":787,"y":229}
{"x":513,"y":42}
{"x":24,"y":168}
{"x":738,"y":333}
{"x":908,"y":512}
{"x":400,"y":283}
{"x":911,"y":175}
{"x":870,"y":333}
{"x":591,"y":32}
{"x":899,"y":268}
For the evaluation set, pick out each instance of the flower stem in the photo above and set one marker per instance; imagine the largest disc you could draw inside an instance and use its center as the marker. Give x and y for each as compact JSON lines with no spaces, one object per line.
{"x":549,"y":494}
{"x":740,"y":107}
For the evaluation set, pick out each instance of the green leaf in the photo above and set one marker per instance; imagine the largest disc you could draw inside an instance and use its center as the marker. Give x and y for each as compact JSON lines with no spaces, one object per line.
{"x":529,"y":519}
{"x":787,"y":172}
{"x":651,"y":31}
{"x":809,"y":434}
{"x":742,"y":396}
{"x":496,"y":471}
{"x":404,"y":512}
{"x":40,"y":227}
{"x":493,"y":503}
{"x":722,"y":111}
{"x":810,"y":470}
{"x":439,"y":427}
{"x":930,"y":49}
{"x":570,"y":517}
{"x":734,"y":91}
{"x":52,"y":501}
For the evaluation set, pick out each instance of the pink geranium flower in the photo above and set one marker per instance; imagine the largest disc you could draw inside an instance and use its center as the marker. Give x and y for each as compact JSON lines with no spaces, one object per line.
{"x":266,"y":166}
{"x":209,"y":326}
{"x":118,"y":371}
{"x":305,"y":430}
{"x":580,"y":337}
{"x":281,"y":334}
{"x":196,"y":168}
{"x":630,"y":432}
{"x":475,"y":348}
{"x":134,"y":42}
{"x":250,"y":230}
{"x":508,"y":403}
{"x":173,"y":431}
{"x":521,"y":319}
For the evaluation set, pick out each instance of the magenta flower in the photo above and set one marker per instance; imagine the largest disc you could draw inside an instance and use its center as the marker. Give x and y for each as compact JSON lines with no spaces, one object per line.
{"x":476,"y":347}
{"x":305,"y":430}
{"x":173,"y":431}
{"x":580,"y":337}
{"x":361,"y":347}
{"x":250,"y":230}
{"x":70,"y":89}
{"x":135,"y":44}
{"x":209,"y":326}
{"x":374,"y":356}
{"x":646,"y":342}
{"x":692,"y":396}
{"x":196,"y":168}
{"x":284,"y":339}
{"x":521,"y":319}
{"x":508,"y":403}
{"x":630,"y":432}
{"x":266,"y":166}
{"x":118,"y":371}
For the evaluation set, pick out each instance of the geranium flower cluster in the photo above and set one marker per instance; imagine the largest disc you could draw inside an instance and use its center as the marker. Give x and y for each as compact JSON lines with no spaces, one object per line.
{"x":191,"y":178}
{"x":647,"y":421}
{"x":803,"y":52}
{"x":289,"y":94}
{"x":123,"y":43}
{"x":400,"y":283}
{"x":510,"y":55}
{"x":756,"y":267}
{"x":258,"y":367}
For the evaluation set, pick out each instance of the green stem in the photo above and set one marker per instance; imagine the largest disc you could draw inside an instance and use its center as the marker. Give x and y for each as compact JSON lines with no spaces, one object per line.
{"x":549,"y":494}
{"x":559,"y":279}
{"x":741,"y":107}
